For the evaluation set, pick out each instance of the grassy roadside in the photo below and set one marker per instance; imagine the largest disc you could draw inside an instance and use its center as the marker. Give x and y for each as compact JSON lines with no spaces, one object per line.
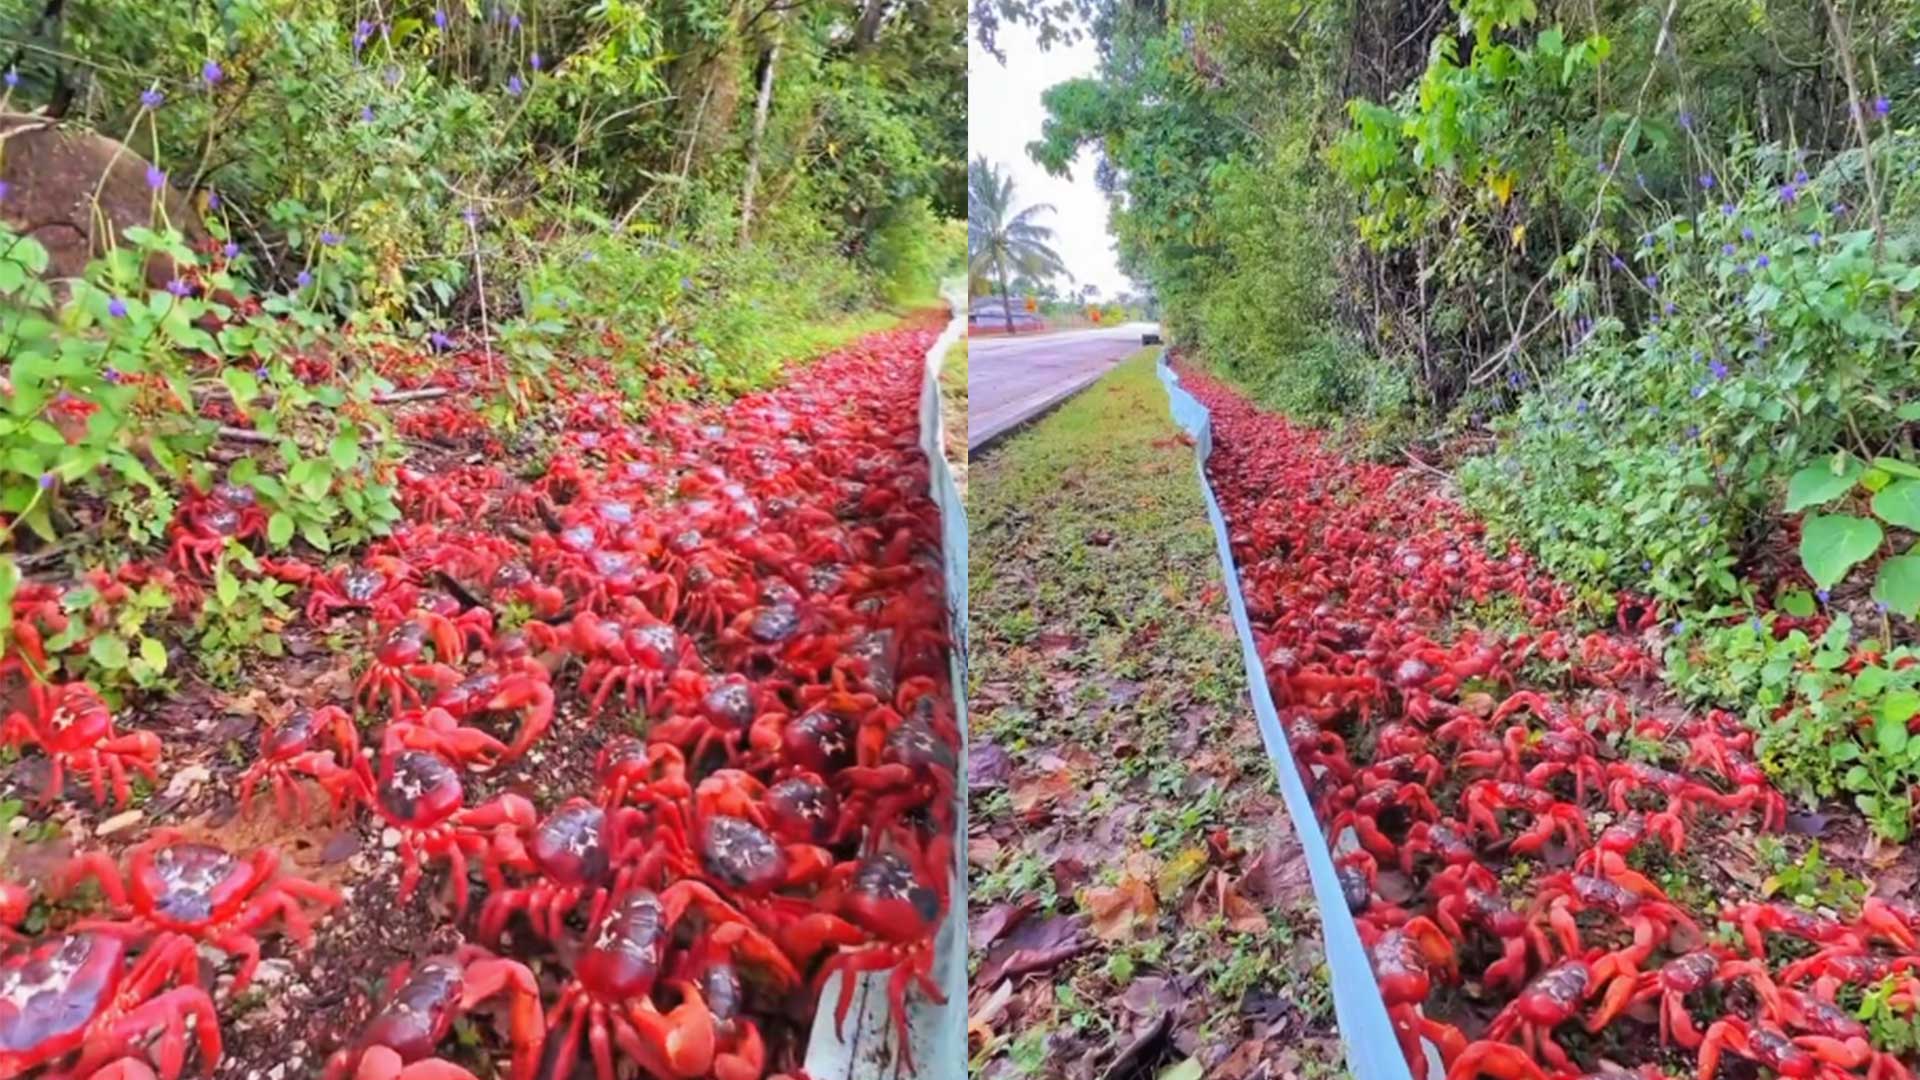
{"x":953,"y":390}
{"x":1139,"y":900}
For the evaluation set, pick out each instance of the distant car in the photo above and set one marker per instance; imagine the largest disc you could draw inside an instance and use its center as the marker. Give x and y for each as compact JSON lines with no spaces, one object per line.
{"x":1151,"y":337}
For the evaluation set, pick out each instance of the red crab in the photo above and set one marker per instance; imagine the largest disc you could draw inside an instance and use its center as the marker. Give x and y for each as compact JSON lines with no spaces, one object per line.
{"x":1404,"y":960}
{"x":401,"y":658}
{"x":288,"y":751}
{"x":383,"y":585}
{"x":610,"y":998}
{"x":1671,"y":984}
{"x":425,"y":999}
{"x":174,"y":885}
{"x":638,"y":654}
{"x":913,"y":768}
{"x":73,"y":727}
{"x":1546,"y":1003}
{"x":706,"y":711}
{"x":649,"y":773}
{"x":523,"y":687}
{"x":207,"y":520}
{"x":571,"y":857}
{"x":78,"y":992}
{"x":1470,"y":892}
{"x":419,"y":794}
{"x":1484,"y":797}
{"x":436,"y":731}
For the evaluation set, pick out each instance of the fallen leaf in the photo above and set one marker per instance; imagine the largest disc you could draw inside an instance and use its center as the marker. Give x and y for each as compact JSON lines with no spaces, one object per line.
{"x":1036,"y":791}
{"x":1219,"y":898}
{"x":983,"y":852}
{"x":1187,"y":1070}
{"x":1277,"y":877}
{"x":992,"y":924}
{"x":1243,"y":1060}
{"x":1181,"y":871}
{"x":1808,"y":824}
{"x":988,"y":767}
{"x":1036,"y":945}
{"x":1144,"y":1047}
{"x":980,"y":1025}
{"x":340,"y":847}
{"x":1118,"y":910}
{"x":1150,"y":995}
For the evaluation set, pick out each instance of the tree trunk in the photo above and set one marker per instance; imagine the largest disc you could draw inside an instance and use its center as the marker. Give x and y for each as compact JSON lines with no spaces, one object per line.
{"x":1006,"y":300}
{"x":760,"y":108}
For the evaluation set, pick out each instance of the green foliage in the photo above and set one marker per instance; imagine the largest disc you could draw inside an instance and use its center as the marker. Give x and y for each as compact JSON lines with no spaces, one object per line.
{"x":1824,"y":730}
{"x":1774,"y":334}
{"x":242,"y":615}
{"x":1832,"y":544}
{"x":1809,"y":881}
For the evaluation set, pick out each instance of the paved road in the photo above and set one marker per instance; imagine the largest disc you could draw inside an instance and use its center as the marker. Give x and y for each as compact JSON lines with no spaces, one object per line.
{"x":1009,"y":379}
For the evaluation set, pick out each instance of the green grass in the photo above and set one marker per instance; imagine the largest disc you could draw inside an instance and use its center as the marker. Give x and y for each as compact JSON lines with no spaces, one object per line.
{"x":1098,"y":624}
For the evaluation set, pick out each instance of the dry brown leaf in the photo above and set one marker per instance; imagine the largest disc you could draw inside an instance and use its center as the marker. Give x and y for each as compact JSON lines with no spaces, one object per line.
{"x":1119,"y":911}
{"x":1243,"y":1060}
{"x":1218,"y":897}
{"x":1181,"y":871}
{"x":983,"y":852}
{"x":1031,"y":793}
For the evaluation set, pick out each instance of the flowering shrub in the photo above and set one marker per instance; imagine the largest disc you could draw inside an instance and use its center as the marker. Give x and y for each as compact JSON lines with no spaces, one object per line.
{"x":1774,"y":332}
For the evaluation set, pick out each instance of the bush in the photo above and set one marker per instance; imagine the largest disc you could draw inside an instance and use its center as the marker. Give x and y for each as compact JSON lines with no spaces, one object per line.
{"x":1774,"y":333}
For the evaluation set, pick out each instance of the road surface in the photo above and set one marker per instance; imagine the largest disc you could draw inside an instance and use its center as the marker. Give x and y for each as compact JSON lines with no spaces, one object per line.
{"x":1011,"y":379}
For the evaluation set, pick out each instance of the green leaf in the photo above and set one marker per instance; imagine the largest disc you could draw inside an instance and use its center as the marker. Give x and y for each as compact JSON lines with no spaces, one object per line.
{"x":1832,"y":544}
{"x":226,"y":587}
{"x":1899,"y":504}
{"x":279,"y":529}
{"x":1899,"y":706}
{"x":1819,"y":484}
{"x":154,"y":653}
{"x":241,"y":384}
{"x":1898,"y":585}
{"x":316,"y":534}
{"x":345,"y":451}
{"x":1189,"y":1069}
{"x":1870,"y":682}
{"x":1890,"y":736}
{"x":1896,"y":467}
{"x":109,"y":651}
{"x":1797,"y":603}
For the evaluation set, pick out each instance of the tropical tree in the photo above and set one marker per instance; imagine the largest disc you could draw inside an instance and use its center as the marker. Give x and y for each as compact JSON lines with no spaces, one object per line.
{"x":999,"y":238}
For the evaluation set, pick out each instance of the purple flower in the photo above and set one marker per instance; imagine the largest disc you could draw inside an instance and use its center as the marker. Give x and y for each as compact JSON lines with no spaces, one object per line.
{"x":515,"y":86}
{"x":685,"y":284}
{"x":178,"y":287}
{"x":1762,"y":262}
{"x":440,"y":18}
{"x":1823,"y":595}
{"x":1513,"y":379}
{"x":231,"y":250}
{"x":513,"y":23}
{"x":439,"y":340}
{"x":1680,"y":626}
{"x":117,"y":308}
{"x":392,"y":74}
{"x":1746,"y":233}
{"x":211,"y":73}
{"x":46,"y":481}
{"x":1789,"y":192}
{"x":1718,"y":370}
{"x":261,"y":373}
{"x":1881,"y":106}
{"x":111,"y":375}
{"x":361,"y":33}
{"x":329,"y":238}
{"x":151,"y":97}
{"x":213,"y":200}
{"x":1617,"y":263}
{"x":1580,"y":407}
{"x":1706,"y":181}
{"x":1704,"y":519}
{"x":155,"y":178}
{"x":1646,"y":565}
{"x":1727,"y":209}
{"x":1652,"y":281}
{"x":1699,"y":391}
{"x":12,"y":78}
{"x":1815,"y":237}
{"x":1686,"y":120}
{"x":1603,"y":168}
{"x":472,"y":215}
{"x":1669,"y":308}
{"x":1646,"y":241}
{"x":1755,"y":624}
{"x":1840,"y":209}
{"x":1728,"y":249}
{"x":303,"y":279}
{"x":5,"y":188}
{"x":534,"y":61}
{"x":366,"y":113}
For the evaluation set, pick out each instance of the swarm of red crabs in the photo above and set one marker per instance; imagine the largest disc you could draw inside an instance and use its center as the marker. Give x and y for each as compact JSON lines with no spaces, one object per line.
{"x":1490,"y":797}
{"x":742,"y":609}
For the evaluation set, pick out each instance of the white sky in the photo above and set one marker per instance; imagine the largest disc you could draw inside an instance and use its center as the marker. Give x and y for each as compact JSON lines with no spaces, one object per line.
{"x":1004,"y":114}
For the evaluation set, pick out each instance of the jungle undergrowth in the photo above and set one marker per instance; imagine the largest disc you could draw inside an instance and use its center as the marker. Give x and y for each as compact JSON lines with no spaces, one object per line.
{"x":1135,"y":790}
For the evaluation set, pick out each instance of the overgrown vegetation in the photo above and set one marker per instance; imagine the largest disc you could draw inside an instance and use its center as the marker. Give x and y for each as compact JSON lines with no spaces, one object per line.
{"x":1647,"y":271}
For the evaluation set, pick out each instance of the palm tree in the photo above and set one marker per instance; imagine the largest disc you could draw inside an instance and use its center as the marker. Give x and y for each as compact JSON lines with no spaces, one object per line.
{"x":997,"y":237}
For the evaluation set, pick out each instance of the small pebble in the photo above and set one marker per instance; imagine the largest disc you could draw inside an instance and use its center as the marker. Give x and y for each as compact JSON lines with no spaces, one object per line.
{"x":390,"y":837}
{"x":186,"y":780}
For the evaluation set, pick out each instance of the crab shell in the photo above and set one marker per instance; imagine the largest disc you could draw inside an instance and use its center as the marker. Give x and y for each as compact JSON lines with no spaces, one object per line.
{"x":51,"y":993}
{"x":628,"y":946}
{"x":571,"y":845}
{"x":421,"y":1011}
{"x":817,"y":741}
{"x":741,"y":855}
{"x":420,"y":790}
{"x":78,"y":720}
{"x":185,"y":886}
{"x":889,"y":899}
{"x":729,"y":703}
{"x":804,"y":809}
